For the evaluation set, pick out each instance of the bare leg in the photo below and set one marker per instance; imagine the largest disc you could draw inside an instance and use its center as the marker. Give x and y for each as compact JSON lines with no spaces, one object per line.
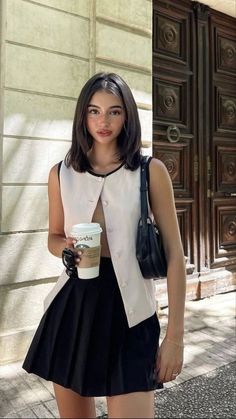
{"x":71,"y":405}
{"x":131,"y":405}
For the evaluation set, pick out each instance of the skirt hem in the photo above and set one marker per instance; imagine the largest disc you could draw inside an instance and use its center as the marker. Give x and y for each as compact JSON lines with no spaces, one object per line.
{"x":155,"y":387}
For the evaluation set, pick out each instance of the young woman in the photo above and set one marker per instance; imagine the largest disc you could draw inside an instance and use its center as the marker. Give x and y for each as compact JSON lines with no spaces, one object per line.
{"x":99,"y":337}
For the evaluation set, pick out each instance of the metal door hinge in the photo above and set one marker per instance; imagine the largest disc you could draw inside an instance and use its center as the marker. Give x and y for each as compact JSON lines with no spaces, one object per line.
{"x":209,"y":193}
{"x":196,"y":168}
{"x":209,"y":167}
{"x":209,"y":173}
{"x":230,"y":194}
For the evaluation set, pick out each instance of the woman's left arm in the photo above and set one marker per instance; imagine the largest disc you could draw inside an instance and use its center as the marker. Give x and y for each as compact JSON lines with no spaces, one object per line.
{"x":170,"y":354}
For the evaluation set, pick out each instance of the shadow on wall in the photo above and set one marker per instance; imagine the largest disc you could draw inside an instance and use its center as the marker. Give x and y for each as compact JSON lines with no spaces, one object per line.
{"x":24,"y":258}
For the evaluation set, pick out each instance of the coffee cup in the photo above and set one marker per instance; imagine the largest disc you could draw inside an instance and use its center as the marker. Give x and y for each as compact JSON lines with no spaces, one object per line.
{"x":88,"y":239}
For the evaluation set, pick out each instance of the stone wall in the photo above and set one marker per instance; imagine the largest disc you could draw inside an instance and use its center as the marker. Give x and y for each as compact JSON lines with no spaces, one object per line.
{"x":49,"y":48}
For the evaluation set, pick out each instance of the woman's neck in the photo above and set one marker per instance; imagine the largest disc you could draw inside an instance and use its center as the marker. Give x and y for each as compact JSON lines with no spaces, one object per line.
{"x":103,"y":159}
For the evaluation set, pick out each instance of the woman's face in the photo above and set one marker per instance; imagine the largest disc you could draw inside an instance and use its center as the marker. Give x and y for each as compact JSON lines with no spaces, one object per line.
{"x":105,"y":117}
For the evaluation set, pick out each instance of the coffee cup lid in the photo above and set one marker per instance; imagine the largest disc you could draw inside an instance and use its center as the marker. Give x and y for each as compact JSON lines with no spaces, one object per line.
{"x":86,"y":228}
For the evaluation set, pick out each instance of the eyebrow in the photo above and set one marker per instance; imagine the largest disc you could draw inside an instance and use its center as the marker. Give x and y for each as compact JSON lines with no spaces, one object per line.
{"x":111,"y":107}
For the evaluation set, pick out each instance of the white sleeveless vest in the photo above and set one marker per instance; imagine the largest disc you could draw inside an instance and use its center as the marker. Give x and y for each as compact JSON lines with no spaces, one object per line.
{"x":120,"y":197}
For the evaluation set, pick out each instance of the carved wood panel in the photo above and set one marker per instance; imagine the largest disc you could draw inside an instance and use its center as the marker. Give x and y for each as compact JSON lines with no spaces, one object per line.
{"x":173,"y":98}
{"x":226,"y":110}
{"x":226,"y":169}
{"x":177,"y":161}
{"x":171,"y":31}
{"x":224,"y":219}
{"x":226,"y":53}
{"x":170,"y":38}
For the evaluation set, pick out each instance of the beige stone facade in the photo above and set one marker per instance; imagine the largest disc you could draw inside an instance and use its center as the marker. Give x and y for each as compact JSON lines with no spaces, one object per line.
{"x":49,"y":48}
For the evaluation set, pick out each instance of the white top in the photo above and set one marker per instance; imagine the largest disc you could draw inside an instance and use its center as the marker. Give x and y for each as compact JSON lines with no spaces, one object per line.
{"x":120,"y":197}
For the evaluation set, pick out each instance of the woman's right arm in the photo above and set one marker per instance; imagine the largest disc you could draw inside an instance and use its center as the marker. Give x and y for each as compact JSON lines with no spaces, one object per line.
{"x":57,"y":240}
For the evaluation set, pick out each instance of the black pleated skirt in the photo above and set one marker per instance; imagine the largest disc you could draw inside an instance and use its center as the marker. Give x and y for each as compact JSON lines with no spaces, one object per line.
{"x":84,"y":343}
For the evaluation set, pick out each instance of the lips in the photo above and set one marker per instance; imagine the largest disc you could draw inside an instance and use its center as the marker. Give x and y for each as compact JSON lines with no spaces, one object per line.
{"x":104,"y":132}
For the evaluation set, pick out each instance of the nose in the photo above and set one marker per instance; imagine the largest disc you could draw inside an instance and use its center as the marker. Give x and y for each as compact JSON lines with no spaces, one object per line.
{"x":104,"y":119}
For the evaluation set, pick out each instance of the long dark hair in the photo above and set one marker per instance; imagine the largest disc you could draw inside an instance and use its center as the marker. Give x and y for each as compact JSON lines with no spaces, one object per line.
{"x":129,"y":140}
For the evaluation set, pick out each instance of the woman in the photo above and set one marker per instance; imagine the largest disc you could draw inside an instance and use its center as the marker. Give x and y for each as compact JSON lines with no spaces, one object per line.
{"x":99,"y":337}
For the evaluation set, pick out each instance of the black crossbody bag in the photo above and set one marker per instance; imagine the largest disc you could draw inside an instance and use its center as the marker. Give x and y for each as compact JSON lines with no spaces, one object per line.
{"x":149,"y":246}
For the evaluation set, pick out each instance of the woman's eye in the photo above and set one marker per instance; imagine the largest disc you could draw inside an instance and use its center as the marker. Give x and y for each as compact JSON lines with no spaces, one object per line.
{"x":93,"y":111}
{"x":116,"y":112}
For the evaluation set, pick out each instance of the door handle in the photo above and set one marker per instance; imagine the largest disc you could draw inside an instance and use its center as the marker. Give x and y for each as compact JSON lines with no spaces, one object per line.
{"x":173,"y":134}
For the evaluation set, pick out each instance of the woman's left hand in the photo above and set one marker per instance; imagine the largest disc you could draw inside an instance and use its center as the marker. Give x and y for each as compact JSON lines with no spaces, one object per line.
{"x":169,"y":360}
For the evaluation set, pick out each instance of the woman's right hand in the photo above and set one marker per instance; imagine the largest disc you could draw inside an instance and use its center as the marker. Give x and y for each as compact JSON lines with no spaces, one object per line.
{"x":70,"y":242}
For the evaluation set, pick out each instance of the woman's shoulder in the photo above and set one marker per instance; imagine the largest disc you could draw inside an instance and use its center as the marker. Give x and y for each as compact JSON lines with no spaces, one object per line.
{"x":159,"y":174}
{"x":54,"y":168}
{"x":55,"y":171}
{"x":156,"y":166}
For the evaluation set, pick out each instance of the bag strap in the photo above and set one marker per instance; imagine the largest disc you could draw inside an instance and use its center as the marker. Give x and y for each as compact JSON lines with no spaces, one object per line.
{"x":144,"y":189}
{"x":58,"y":170}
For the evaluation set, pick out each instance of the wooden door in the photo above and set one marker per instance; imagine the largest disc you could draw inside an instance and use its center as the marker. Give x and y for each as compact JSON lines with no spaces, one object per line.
{"x":222,"y":145}
{"x":194,"y":133}
{"x":174,"y":119}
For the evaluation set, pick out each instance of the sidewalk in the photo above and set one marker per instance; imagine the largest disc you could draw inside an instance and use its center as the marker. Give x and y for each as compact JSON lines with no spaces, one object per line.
{"x":206,"y":388}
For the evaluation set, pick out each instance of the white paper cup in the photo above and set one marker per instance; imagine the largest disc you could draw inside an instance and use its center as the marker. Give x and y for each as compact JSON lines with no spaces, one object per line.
{"x":88,"y":238}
